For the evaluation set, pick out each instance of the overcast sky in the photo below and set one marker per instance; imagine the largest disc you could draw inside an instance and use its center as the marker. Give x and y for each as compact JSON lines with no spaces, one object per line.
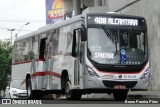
{"x":16,"y":13}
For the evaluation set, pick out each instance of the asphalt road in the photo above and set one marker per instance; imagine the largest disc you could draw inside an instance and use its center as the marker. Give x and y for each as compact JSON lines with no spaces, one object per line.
{"x":82,"y":101}
{"x":108,"y":99}
{"x":94,"y":100}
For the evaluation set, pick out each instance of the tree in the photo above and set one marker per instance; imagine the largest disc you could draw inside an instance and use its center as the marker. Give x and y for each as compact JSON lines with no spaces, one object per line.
{"x":5,"y":63}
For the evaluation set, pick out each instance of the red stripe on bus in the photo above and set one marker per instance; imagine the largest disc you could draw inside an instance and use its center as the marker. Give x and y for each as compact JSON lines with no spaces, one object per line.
{"x":46,"y":73}
{"x":28,"y":61}
{"x":43,"y":74}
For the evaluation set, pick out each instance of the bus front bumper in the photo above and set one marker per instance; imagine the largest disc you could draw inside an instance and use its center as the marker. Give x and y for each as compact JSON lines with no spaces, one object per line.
{"x":140,"y":84}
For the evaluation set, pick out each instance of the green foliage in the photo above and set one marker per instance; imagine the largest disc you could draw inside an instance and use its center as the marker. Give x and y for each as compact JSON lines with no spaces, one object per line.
{"x":5,"y":63}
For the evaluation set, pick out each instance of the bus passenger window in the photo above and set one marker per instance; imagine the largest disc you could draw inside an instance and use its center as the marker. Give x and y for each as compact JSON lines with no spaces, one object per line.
{"x":69,"y":42}
{"x":74,"y":52}
{"x":42,"y":48}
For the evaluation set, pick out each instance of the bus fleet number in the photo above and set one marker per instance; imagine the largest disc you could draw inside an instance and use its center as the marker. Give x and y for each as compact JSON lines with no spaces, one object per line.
{"x":100,"y":20}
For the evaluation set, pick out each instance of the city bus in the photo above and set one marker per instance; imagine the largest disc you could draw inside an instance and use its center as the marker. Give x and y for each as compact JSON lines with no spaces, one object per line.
{"x":89,"y":53}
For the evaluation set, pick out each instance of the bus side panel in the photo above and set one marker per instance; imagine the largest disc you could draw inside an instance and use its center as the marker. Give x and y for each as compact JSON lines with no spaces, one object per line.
{"x":34,"y":68}
{"x":57,"y":65}
{"x":37,"y":75}
{"x":18,"y":75}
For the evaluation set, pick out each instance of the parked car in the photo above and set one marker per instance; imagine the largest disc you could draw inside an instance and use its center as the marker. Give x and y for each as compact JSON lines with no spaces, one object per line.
{"x":12,"y":92}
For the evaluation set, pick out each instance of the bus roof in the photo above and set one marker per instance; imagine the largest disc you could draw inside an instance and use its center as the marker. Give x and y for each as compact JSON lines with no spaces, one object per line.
{"x":50,"y":27}
{"x":69,"y":21}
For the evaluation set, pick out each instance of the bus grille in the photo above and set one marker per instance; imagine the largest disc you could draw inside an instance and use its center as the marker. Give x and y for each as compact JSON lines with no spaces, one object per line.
{"x":119,"y":69}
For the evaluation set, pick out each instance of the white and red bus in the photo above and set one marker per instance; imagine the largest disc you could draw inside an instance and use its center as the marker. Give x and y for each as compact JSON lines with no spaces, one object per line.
{"x":91,"y":53}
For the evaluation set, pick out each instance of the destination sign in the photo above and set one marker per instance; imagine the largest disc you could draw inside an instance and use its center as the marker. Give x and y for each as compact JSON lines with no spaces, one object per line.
{"x":112,"y":21}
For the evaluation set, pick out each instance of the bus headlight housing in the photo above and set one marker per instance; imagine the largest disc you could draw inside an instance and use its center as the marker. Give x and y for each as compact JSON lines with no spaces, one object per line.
{"x":91,"y":72}
{"x":146,"y":74}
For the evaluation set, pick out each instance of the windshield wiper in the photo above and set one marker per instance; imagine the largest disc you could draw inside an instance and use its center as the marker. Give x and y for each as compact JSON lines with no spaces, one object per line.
{"x":111,"y":37}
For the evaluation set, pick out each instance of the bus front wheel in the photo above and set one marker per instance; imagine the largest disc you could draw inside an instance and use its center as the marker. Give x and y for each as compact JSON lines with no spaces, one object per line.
{"x":72,"y":94}
{"x":120,"y":95}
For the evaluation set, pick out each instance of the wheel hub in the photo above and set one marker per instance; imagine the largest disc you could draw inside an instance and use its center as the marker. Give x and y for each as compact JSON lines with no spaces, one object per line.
{"x":29,"y":91}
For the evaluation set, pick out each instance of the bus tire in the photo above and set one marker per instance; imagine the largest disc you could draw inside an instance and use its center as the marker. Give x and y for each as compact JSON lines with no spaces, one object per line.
{"x":71,"y":94}
{"x":120,"y":95}
{"x":33,"y":94}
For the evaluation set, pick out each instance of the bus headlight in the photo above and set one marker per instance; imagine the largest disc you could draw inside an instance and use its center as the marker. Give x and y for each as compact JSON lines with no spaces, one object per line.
{"x":91,"y":72}
{"x":146,"y":74}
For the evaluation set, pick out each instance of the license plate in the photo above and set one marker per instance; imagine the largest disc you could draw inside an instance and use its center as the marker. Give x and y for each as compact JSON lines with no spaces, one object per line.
{"x":119,"y":87}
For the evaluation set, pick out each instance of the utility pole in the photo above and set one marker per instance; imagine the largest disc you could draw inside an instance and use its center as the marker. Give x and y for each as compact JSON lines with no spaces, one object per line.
{"x":76,"y":5}
{"x":11,"y":33}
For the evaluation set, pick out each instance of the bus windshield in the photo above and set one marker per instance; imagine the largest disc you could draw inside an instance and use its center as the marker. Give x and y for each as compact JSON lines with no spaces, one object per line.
{"x":117,"y":46}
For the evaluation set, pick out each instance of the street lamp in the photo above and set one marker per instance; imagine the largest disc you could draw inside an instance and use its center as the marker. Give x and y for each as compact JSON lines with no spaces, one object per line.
{"x":11,"y":33}
{"x":22,"y":27}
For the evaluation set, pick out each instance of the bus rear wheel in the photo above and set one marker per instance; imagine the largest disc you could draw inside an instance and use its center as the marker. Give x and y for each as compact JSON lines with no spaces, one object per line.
{"x":120,"y":95}
{"x":72,"y":94}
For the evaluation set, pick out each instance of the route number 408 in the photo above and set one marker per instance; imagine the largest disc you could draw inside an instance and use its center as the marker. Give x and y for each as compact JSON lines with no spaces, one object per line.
{"x":100,"y":20}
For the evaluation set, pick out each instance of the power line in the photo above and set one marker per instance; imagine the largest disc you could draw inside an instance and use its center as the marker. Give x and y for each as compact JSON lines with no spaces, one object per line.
{"x":15,"y":29}
{"x":11,"y":20}
{"x":127,"y":5}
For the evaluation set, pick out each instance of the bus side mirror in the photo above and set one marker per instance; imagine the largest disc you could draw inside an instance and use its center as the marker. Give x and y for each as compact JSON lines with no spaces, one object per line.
{"x":83,"y":34}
